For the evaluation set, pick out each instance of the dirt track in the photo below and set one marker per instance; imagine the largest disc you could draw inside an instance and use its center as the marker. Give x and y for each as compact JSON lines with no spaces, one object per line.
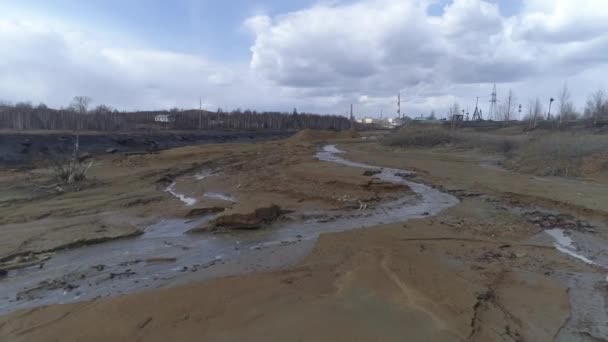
{"x":482,"y":270}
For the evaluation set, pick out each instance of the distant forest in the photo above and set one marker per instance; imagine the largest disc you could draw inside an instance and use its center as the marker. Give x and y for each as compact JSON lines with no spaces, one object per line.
{"x":24,"y":116}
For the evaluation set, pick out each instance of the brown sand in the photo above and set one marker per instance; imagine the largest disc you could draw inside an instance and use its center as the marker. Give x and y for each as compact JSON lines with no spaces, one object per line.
{"x":468,"y":274}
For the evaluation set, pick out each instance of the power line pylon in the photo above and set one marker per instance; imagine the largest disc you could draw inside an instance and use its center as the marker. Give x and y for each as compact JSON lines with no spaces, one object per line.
{"x":477,"y":112}
{"x":493,"y":114}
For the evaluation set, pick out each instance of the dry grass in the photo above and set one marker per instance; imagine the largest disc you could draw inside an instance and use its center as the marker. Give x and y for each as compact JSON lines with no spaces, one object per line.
{"x":420,"y":136}
{"x":545,"y":153}
{"x":432,"y":136}
{"x":562,"y":154}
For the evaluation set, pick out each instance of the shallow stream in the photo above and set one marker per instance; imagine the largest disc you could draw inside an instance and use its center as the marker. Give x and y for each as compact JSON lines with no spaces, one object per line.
{"x":165,"y":253}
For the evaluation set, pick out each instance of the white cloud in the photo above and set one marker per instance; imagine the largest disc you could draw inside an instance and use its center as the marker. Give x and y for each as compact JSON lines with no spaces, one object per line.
{"x":375,"y":47}
{"x":323,"y":58}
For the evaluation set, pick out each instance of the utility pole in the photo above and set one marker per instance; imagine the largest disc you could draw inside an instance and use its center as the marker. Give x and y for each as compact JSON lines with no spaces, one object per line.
{"x":399,"y":105}
{"x":352,"y":117}
{"x":508,"y":117}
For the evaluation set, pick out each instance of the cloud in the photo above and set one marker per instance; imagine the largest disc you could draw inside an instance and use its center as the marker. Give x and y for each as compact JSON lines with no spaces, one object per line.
{"x":52,"y":63}
{"x":324,"y":57}
{"x":49,"y":65}
{"x":562,"y":21}
{"x":376,"y":47}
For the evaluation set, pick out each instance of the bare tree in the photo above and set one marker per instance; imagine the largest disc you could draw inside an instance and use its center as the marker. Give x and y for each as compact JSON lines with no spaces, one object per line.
{"x":103,"y":109}
{"x":24,"y":105}
{"x":80,"y":104}
{"x":597,"y":105}
{"x":507,"y":108}
{"x":566,"y":107}
{"x":535,"y":110}
{"x":454,"y":110}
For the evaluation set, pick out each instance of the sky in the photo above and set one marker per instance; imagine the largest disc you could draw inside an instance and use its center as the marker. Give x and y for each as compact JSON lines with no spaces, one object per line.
{"x":314,"y":55}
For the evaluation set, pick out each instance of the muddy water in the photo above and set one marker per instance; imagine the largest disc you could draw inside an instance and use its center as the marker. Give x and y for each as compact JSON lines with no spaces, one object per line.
{"x":588,"y":290}
{"x":165,"y":254}
{"x":588,"y":286}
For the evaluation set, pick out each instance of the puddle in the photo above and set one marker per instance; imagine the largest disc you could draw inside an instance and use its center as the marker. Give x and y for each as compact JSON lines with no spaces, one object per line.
{"x":189,"y":201}
{"x":123,"y":266}
{"x":221,"y":197}
{"x":589,"y":304}
{"x":564,"y":244}
{"x":493,"y":164}
{"x":202,"y":175}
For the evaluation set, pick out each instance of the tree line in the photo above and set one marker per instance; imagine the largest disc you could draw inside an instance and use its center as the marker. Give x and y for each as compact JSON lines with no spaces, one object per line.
{"x":24,"y":116}
{"x":560,"y":109}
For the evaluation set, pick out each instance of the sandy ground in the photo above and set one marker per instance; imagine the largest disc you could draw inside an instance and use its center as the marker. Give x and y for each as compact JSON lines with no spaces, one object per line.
{"x":479,"y":271}
{"x":127,"y":193}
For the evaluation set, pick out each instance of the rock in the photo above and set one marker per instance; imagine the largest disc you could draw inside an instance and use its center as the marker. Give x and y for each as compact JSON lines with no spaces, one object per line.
{"x":547,"y":224}
{"x":197,"y":212}
{"x":126,"y":273}
{"x":160,"y":260}
{"x":244,"y":221}
{"x":124,"y":141}
{"x":99,"y":267}
{"x":370,"y":173}
{"x":84,"y":156}
{"x":142,"y":201}
{"x":112,"y":150}
{"x":406,"y":175}
{"x":381,"y":186}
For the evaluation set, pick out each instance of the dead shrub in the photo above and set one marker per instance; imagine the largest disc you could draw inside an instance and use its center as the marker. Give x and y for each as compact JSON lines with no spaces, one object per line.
{"x":420,"y":136}
{"x":560,"y":154}
{"x":72,"y":169}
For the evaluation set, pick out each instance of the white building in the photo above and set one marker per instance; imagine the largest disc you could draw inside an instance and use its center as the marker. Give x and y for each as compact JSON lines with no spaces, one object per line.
{"x":164,"y":118}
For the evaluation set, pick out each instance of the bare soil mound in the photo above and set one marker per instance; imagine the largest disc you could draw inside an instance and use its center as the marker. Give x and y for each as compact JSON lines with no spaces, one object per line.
{"x":255,"y":219}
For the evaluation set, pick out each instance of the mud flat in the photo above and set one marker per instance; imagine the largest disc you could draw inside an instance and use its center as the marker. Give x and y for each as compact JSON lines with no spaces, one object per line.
{"x":448,"y":257}
{"x":122,"y":267}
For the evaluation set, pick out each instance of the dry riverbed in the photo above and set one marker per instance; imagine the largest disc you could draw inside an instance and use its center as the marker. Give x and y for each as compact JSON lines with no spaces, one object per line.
{"x":478,"y":254}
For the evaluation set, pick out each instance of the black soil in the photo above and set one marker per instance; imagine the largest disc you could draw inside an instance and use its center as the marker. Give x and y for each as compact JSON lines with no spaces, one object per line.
{"x":24,"y":149}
